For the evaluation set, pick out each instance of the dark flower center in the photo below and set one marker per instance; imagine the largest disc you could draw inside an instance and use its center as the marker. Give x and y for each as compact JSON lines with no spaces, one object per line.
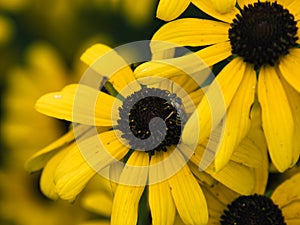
{"x":252,"y":210}
{"x":262,"y":33}
{"x":151,"y":119}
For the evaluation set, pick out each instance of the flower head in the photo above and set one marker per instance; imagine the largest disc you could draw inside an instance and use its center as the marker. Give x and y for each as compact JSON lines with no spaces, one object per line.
{"x":282,"y":207}
{"x":260,"y":40}
{"x":133,"y":128}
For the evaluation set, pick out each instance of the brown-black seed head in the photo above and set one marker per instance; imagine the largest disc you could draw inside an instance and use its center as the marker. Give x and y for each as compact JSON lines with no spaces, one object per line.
{"x":263,"y":33}
{"x":252,"y":210}
{"x":142,"y":107}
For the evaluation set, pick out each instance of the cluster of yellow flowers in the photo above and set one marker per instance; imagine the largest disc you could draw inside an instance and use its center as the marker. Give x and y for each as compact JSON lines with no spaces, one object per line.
{"x":188,"y":127}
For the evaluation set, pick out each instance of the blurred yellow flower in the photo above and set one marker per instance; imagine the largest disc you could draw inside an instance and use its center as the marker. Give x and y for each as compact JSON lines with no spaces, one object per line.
{"x":7,"y":30}
{"x":23,"y":131}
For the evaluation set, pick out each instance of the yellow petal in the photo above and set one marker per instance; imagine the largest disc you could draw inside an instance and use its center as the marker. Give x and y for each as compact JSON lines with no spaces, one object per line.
{"x":107,"y":62}
{"x":127,"y":197}
{"x":235,"y":176}
{"x":294,"y":100}
{"x":115,"y":170}
{"x":92,"y":54}
{"x":79,"y":104}
{"x":190,"y":204}
{"x":294,"y":8}
{"x":168,"y":10}
{"x":213,"y":106}
{"x":237,"y":122}
{"x":190,"y":65}
{"x":277,"y":118}
{"x":47,"y":178}
{"x":39,"y":159}
{"x":256,"y":132}
{"x":191,"y":32}
{"x":288,"y":193}
{"x":202,"y":177}
{"x":222,"y":6}
{"x":215,"y":53}
{"x":257,"y":137}
{"x":102,"y":150}
{"x":247,"y":153}
{"x":207,"y":7}
{"x":243,"y":3}
{"x":218,"y":197}
{"x":291,"y":213}
{"x":192,"y":100}
{"x":72,"y":174}
{"x":288,"y":67}
{"x":84,"y":160}
{"x":261,"y":174}
{"x":160,"y":199}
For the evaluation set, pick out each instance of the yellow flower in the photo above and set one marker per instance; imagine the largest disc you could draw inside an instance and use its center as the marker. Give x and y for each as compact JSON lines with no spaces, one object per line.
{"x":160,"y":164}
{"x":282,"y":207}
{"x":261,"y":41}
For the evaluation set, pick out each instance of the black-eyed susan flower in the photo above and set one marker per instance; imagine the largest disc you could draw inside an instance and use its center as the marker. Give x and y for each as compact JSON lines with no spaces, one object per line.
{"x":261,"y":41}
{"x":282,"y":207}
{"x":145,"y":156}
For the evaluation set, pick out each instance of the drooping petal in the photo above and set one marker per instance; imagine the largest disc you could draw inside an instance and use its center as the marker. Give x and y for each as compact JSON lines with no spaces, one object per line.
{"x":277,"y":118}
{"x":187,"y":194}
{"x":72,"y":174}
{"x":104,"y":149}
{"x":288,"y":67}
{"x":47,"y":184}
{"x":207,"y":7}
{"x":160,"y":199}
{"x":237,"y":120}
{"x":79,"y":104}
{"x":39,"y":159}
{"x":107,"y":62}
{"x":168,"y":10}
{"x":214,"y":104}
{"x":84,"y":160}
{"x":127,"y":197}
{"x":235,"y":176}
{"x":191,"y":32}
